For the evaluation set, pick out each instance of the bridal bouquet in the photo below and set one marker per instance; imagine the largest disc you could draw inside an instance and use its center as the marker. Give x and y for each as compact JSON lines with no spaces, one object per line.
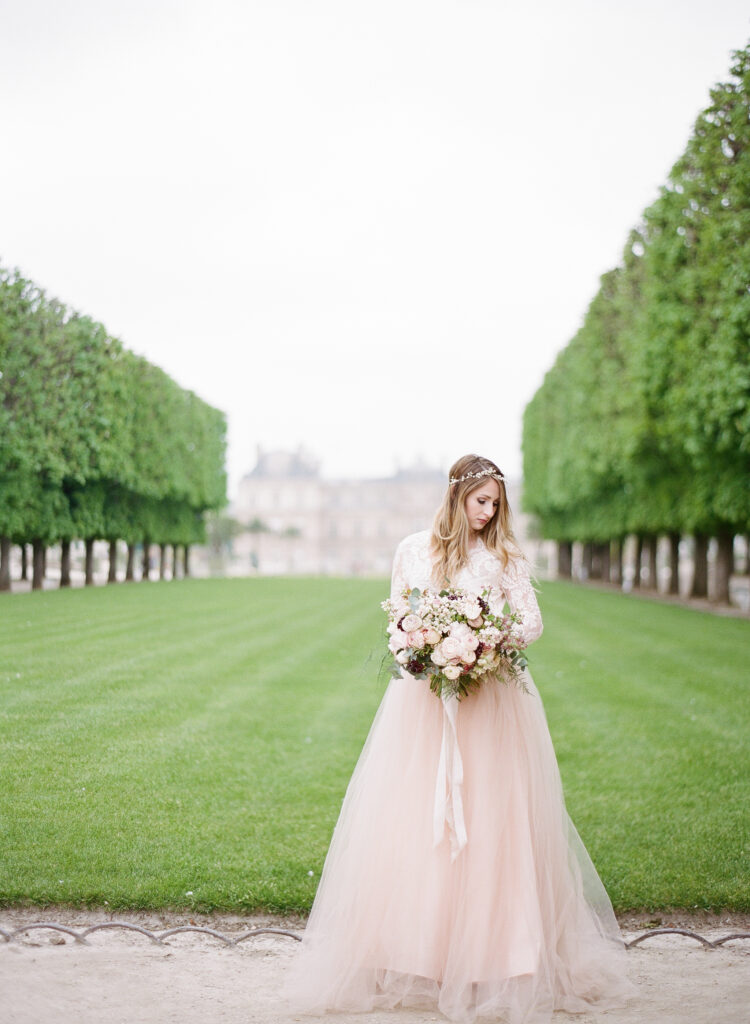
{"x":453,"y":639}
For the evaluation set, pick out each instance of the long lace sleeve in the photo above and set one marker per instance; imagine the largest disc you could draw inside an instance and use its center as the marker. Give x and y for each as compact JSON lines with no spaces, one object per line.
{"x":398,"y":574}
{"x":521,"y":598}
{"x":411,"y":564}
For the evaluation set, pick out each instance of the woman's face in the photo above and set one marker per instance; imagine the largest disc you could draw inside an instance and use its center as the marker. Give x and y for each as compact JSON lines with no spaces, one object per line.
{"x":482,"y":503}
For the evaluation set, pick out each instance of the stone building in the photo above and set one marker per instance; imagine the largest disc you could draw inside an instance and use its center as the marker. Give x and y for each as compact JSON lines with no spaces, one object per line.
{"x":298,"y":523}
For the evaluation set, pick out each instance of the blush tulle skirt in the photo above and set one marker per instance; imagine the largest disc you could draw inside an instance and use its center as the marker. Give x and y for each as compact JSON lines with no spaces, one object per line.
{"x":513,"y":927}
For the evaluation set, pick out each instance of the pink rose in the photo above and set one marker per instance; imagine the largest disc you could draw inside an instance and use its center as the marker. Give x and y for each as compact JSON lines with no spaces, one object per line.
{"x":437,"y":658}
{"x":398,"y":641}
{"x":410,"y":623}
{"x":452,"y":671}
{"x":416,"y":640}
{"x":431,"y":636}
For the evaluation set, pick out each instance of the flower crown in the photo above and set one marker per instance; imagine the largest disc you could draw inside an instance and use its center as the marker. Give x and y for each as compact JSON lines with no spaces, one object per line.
{"x":477,"y":476}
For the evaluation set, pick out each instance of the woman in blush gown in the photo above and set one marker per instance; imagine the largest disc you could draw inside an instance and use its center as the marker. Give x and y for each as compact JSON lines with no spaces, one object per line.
{"x":455,"y":877}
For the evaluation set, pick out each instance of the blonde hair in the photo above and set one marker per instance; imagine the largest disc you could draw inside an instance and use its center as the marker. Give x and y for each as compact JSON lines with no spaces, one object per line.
{"x":451,"y":532}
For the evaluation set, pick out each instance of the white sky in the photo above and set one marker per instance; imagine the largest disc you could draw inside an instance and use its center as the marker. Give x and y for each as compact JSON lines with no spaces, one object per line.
{"x":368,"y":227}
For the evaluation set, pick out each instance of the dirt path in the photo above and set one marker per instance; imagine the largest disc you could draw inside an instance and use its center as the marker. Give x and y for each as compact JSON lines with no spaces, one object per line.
{"x":120,"y":977}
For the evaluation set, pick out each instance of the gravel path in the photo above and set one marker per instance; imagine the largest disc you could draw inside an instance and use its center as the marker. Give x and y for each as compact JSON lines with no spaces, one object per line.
{"x":121,"y":977}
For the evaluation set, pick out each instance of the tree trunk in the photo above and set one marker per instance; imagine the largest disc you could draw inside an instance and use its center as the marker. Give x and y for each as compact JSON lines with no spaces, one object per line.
{"x":175,"y":562}
{"x":89,"y":561}
{"x":699,"y":587}
{"x":599,"y":561}
{"x":4,"y":563}
{"x":674,"y":562}
{"x":564,"y":559}
{"x":162,"y":561}
{"x":186,"y":560}
{"x":129,"y":563}
{"x":724,"y":565}
{"x":605,"y":560}
{"x":37,"y":578}
{"x":587,"y":561}
{"x":616,"y":572}
{"x":637,"y":561}
{"x":65,"y":563}
{"x":652,"y":548}
{"x":112,"y":572}
{"x":596,"y":562}
{"x":24,"y":563}
{"x":146,"y":559}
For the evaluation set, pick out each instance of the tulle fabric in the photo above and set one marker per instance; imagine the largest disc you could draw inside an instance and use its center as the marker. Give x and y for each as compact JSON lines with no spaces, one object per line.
{"x":518,"y":925}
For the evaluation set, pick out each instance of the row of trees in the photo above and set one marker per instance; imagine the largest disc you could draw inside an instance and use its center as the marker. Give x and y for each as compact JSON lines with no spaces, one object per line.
{"x":96,"y":443}
{"x":642,"y":426}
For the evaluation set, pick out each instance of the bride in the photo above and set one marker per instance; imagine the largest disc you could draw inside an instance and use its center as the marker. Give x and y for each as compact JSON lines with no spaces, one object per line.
{"x":455,"y":877}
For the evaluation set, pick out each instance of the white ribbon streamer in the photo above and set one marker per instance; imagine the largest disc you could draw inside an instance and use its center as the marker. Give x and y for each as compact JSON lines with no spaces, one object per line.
{"x":449,"y":809}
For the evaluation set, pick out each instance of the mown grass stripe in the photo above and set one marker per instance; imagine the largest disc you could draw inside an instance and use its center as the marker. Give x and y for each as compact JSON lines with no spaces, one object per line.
{"x":198,"y":737}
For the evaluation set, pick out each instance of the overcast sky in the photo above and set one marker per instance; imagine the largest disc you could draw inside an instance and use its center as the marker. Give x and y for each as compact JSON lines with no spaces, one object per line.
{"x":367,"y":227}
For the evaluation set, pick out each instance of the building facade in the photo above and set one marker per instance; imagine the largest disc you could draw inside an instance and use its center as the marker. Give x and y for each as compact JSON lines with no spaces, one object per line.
{"x":295,"y":522}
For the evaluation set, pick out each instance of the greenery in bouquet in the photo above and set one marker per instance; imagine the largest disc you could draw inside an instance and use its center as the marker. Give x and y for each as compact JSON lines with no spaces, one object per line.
{"x":454,"y":639}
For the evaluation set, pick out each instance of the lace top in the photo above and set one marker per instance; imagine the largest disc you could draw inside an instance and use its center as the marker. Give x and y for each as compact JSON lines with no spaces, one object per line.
{"x":412,"y":567}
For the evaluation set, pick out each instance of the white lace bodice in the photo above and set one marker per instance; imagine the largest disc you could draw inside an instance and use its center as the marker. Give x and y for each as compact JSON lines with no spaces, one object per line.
{"x":412,"y":567}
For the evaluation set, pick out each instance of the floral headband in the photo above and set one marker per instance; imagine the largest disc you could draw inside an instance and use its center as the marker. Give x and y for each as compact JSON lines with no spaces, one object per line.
{"x":477,"y":476}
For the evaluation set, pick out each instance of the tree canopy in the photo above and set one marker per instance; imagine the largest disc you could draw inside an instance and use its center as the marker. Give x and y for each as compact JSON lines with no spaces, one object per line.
{"x":642,"y":425}
{"x":96,"y":442}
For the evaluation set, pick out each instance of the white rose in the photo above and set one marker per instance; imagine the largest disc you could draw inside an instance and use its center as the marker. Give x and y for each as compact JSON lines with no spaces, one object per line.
{"x":438,"y":658}
{"x":472,"y":610}
{"x":402,"y":657}
{"x":452,"y":671}
{"x":410,"y":623}
{"x":450,"y":647}
{"x":468,"y":657}
{"x":431,"y":636}
{"x":476,"y":622}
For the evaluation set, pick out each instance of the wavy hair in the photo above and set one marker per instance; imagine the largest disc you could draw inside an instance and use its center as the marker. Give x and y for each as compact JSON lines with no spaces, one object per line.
{"x":451,"y":532}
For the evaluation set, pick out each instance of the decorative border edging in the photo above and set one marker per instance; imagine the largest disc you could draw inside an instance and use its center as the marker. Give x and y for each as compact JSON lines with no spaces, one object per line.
{"x":158,"y":938}
{"x":707,"y":944}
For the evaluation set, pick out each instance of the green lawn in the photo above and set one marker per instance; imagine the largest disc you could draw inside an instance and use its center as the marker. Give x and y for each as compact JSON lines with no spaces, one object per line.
{"x":188,"y":744}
